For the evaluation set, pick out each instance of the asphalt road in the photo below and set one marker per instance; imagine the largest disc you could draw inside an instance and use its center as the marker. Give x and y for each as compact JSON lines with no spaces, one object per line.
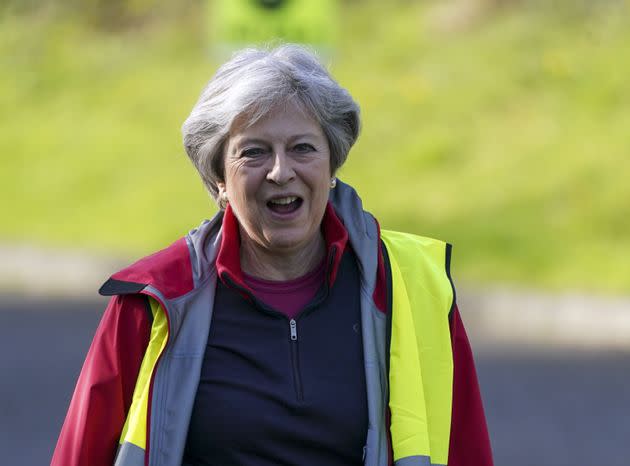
{"x":543,"y":407}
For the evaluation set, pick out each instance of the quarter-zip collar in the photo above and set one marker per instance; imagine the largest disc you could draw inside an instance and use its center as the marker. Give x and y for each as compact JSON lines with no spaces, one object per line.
{"x":228,"y":262}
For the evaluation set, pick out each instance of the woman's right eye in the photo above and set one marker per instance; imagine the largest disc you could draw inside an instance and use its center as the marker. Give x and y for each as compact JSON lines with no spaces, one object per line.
{"x":252,"y":152}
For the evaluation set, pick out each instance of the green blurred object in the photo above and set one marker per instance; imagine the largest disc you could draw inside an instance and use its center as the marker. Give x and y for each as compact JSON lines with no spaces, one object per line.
{"x":238,"y":22}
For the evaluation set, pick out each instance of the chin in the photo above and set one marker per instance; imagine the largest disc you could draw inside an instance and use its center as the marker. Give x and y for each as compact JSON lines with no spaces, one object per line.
{"x":284,"y":242}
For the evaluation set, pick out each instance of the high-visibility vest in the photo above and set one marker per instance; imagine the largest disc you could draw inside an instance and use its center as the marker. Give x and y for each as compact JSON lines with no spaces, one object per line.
{"x":420,"y":357}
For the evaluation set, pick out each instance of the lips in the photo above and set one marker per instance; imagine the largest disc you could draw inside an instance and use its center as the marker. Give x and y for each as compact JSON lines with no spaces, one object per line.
{"x":284,"y":205}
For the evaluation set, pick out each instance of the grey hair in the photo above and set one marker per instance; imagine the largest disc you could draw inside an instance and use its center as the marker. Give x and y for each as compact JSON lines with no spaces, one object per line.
{"x":250,"y":85}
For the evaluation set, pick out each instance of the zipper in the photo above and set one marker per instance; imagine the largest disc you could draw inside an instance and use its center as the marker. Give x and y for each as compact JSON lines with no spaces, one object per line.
{"x":293,"y":333}
{"x":295,"y":362}
{"x":293,"y":329}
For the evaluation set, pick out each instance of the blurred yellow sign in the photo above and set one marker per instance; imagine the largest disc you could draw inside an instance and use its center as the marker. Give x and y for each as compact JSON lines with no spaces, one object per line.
{"x":258,"y":21}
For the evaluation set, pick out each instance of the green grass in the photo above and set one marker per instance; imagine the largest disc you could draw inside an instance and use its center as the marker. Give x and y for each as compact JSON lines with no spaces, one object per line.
{"x":509,"y":138}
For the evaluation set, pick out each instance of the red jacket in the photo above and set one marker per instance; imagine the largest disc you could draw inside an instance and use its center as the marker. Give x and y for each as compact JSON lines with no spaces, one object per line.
{"x":102,"y":397}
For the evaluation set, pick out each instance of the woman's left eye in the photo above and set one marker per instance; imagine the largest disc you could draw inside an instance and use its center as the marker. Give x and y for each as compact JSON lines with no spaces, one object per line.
{"x":303,"y":147}
{"x":252,"y":152}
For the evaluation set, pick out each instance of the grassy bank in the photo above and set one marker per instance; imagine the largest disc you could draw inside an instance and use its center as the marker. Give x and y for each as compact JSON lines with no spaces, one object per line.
{"x":508,"y":136}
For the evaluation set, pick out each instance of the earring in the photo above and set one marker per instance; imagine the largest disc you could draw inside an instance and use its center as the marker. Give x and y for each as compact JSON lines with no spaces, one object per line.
{"x":333,"y":183}
{"x":223,"y":200}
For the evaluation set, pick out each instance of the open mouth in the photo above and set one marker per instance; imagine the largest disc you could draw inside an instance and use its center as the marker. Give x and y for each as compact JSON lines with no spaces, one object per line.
{"x":285,"y":205}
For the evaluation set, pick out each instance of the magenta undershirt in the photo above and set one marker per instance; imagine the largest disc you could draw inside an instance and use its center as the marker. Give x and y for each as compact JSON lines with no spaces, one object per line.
{"x":288,"y":297}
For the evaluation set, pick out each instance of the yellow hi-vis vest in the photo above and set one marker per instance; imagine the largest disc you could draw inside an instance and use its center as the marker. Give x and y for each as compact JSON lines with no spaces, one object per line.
{"x":421,"y":359}
{"x":420,"y":356}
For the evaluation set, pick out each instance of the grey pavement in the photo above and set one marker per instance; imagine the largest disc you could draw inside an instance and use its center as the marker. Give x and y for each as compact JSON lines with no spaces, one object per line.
{"x":545,"y":405}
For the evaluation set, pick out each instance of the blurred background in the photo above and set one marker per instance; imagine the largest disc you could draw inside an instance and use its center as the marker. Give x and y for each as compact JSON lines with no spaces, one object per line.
{"x":501,"y":126}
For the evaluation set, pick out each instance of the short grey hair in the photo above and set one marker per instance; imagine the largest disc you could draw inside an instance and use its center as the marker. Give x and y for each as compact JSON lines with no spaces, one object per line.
{"x":250,"y":85}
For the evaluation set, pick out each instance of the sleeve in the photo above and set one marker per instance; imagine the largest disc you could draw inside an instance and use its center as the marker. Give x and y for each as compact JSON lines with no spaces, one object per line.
{"x":102,"y":397}
{"x":470,"y":442}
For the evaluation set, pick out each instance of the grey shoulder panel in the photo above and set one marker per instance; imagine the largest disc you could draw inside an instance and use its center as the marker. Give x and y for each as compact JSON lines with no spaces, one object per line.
{"x":415,"y":461}
{"x":129,"y":455}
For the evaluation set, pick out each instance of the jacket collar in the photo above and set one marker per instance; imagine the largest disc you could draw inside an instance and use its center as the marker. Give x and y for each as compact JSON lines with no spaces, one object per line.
{"x":188,"y":262}
{"x":364,"y":237}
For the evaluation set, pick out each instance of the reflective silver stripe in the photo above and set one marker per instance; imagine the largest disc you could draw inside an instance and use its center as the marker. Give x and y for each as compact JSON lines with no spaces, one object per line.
{"x":416,"y":461}
{"x":178,"y":371}
{"x":129,"y":455}
{"x":363,"y":236}
{"x":177,"y":376}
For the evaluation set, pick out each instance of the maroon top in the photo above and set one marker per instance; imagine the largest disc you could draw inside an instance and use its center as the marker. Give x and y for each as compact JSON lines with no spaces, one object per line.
{"x":290,"y":296}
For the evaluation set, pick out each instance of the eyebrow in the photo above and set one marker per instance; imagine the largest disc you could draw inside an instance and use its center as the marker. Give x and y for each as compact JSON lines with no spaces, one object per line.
{"x":303,"y":135}
{"x":246,"y":141}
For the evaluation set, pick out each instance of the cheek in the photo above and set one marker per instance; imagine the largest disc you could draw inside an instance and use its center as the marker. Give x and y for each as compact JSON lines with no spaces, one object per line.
{"x":240,"y":181}
{"x":320,"y":193}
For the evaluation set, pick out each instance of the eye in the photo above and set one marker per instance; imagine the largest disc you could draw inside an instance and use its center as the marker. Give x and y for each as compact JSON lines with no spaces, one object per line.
{"x":252,"y":152}
{"x":303,"y":148}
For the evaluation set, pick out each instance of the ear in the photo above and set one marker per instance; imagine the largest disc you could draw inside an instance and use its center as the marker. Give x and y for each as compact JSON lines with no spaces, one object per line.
{"x":221,"y":187}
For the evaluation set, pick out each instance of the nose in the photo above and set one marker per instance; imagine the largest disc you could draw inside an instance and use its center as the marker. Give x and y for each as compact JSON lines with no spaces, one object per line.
{"x":282,"y":170}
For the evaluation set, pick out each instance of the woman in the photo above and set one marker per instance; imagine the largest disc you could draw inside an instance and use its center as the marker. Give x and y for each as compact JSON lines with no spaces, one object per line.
{"x":288,"y":329}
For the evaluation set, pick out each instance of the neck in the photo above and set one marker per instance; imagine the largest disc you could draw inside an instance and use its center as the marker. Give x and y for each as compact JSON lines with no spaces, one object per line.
{"x":287,"y":265}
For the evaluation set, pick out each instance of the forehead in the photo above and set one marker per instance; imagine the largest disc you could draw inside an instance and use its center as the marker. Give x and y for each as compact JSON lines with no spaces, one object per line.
{"x":282,"y":121}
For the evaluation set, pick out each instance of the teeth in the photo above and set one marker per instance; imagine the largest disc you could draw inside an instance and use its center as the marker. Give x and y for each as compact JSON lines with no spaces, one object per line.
{"x":284,"y":200}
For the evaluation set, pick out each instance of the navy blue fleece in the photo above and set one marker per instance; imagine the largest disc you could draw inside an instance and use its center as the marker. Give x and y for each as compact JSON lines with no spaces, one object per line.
{"x":265,"y":399}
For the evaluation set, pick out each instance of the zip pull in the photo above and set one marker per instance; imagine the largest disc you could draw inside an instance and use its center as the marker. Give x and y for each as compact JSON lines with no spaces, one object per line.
{"x":293,"y":327}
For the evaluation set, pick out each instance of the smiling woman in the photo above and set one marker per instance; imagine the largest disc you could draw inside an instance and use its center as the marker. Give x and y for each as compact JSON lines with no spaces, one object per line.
{"x":277,"y":178}
{"x":289,"y":329}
